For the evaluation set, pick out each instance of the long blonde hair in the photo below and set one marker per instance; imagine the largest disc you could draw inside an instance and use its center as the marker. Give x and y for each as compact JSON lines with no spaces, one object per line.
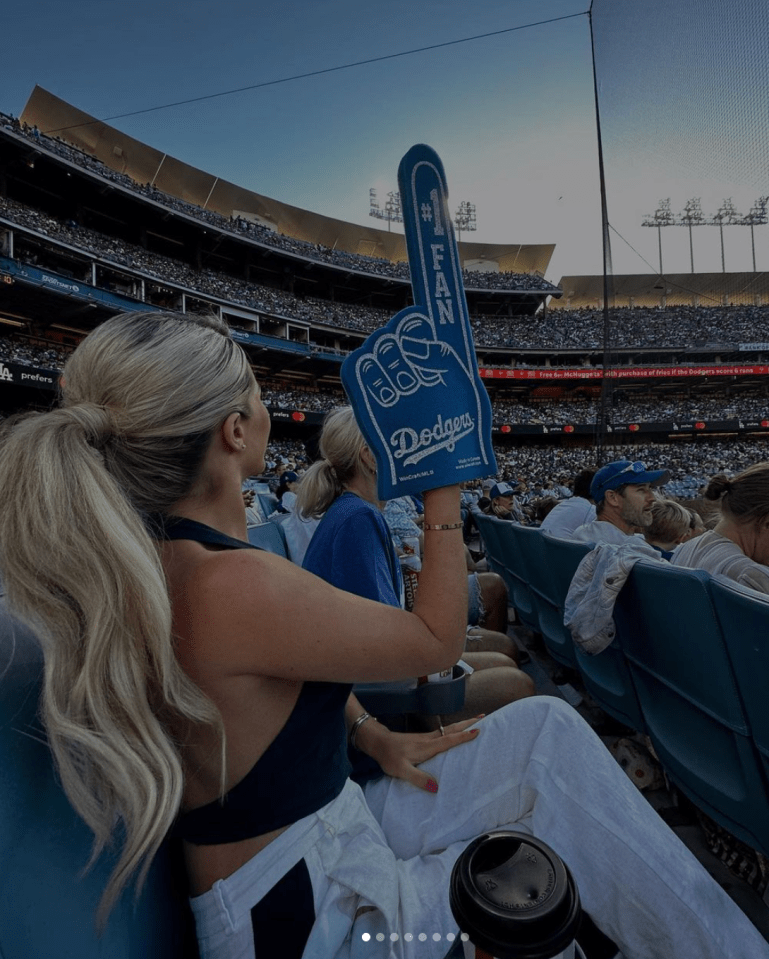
{"x":142,"y":397}
{"x":341,"y":444}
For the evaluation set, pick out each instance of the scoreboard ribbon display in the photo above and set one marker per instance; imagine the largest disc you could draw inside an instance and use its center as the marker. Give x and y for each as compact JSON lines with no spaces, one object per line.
{"x":414,"y":384}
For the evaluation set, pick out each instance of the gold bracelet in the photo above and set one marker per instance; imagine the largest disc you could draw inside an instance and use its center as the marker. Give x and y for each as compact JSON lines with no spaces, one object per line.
{"x":444,"y":526}
{"x":356,"y":726}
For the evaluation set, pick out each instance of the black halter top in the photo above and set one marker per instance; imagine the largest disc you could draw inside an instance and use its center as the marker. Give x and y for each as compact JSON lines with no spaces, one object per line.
{"x":303,"y":768}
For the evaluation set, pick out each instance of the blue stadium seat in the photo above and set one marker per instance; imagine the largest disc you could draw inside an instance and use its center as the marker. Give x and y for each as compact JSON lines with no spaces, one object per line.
{"x":47,"y":907}
{"x":278,"y":518}
{"x":268,"y":503}
{"x":269,"y":536}
{"x":744,"y":617}
{"x":533,"y":550}
{"x":502,"y":558}
{"x":606,"y":676}
{"x":688,"y":691}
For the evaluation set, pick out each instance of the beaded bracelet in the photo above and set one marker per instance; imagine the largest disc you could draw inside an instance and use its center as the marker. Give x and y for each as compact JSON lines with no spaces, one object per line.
{"x":356,"y":726}
{"x":444,"y":526}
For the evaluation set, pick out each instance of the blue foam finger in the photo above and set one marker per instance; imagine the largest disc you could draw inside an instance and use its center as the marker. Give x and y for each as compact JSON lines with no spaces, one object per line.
{"x":414,"y":384}
{"x":374,"y":380}
{"x":395,"y":364}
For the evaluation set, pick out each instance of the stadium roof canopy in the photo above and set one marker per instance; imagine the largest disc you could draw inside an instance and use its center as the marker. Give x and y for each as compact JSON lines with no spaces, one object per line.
{"x":145,"y":164}
{"x":675,"y":289}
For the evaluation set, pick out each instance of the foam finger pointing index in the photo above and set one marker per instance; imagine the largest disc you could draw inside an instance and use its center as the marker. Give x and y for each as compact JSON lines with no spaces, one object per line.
{"x":436,"y":272}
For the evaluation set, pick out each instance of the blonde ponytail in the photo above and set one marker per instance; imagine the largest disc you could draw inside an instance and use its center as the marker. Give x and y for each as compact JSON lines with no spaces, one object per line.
{"x":341,"y":445}
{"x":143,"y":395}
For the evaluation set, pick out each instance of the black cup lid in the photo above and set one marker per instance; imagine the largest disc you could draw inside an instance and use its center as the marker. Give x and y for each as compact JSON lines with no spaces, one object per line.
{"x":515,"y":897}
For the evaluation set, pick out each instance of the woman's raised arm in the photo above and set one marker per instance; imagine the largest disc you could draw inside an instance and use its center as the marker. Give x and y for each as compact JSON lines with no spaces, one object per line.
{"x":254,"y":613}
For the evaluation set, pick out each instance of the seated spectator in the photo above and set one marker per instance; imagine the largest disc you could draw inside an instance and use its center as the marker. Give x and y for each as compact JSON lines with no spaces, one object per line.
{"x":696,"y":524}
{"x":487,"y":593}
{"x":738,"y":547}
{"x":286,"y":491}
{"x":541,"y":508}
{"x":623,"y":497}
{"x":503,"y":503}
{"x":670,"y":526}
{"x":575,"y":511}
{"x":484,"y":502}
{"x":353,"y":550}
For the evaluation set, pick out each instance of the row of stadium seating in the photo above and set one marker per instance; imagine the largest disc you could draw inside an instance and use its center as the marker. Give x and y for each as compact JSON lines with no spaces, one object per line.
{"x":687,"y":667}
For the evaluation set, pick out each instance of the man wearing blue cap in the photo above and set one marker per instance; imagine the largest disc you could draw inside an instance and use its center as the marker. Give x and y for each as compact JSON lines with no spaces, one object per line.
{"x":623,"y":497}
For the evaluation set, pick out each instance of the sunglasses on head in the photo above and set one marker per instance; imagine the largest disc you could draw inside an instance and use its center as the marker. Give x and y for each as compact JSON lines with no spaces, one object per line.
{"x":637,"y":467}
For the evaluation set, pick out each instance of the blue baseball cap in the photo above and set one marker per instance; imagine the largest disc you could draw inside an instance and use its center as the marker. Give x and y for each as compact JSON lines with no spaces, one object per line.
{"x":501,"y":489}
{"x":623,"y":472}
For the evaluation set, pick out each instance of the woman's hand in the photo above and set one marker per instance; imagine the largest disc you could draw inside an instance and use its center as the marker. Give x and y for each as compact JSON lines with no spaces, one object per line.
{"x":399,"y":754}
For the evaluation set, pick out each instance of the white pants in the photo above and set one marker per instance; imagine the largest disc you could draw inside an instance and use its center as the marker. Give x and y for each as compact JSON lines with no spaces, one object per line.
{"x":380,"y":868}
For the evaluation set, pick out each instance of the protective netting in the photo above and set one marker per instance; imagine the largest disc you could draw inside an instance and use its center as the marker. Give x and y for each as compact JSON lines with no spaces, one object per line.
{"x":683,"y":98}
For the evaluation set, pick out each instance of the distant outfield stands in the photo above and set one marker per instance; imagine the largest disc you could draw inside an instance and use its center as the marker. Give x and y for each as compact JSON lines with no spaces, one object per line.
{"x":670,"y":290}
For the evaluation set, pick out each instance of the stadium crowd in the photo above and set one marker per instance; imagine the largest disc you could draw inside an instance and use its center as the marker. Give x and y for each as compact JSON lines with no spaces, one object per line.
{"x":261,"y":233}
{"x":286,"y":398}
{"x":747,"y":404}
{"x":556,"y":329}
{"x":549,"y":470}
{"x":640,"y":327}
{"x":14,"y":350}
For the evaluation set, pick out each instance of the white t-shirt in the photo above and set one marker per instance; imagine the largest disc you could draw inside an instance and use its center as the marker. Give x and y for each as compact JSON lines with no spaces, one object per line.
{"x":717,"y":554}
{"x":601,"y":531}
{"x":567,"y":515}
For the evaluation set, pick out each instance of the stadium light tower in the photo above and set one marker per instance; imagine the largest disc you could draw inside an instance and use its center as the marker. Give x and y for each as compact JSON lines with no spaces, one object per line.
{"x":392,"y":211}
{"x":726,"y":212}
{"x":662,"y":216}
{"x":756,"y":217}
{"x":692,"y":216}
{"x":464,"y":219}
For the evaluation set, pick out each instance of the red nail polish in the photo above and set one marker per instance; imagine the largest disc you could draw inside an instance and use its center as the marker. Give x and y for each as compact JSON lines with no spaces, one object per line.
{"x":432,"y":786}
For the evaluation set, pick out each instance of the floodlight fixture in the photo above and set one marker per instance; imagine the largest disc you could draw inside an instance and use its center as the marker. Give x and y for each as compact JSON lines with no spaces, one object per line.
{"x":692,"y":216}
{"x":465,"y":219}
{"x":662,"y":216}
{"x":756,"y":217}
{"x":727,"y":213}
{"x":392,"y":211}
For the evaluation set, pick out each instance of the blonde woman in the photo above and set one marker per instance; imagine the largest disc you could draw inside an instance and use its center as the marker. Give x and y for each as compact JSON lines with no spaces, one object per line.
{"x":353,"y":549}
{"x":198,"y":685}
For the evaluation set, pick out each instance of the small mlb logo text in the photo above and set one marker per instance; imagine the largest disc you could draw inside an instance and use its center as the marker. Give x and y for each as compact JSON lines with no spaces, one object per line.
{"x":5,"y":374}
